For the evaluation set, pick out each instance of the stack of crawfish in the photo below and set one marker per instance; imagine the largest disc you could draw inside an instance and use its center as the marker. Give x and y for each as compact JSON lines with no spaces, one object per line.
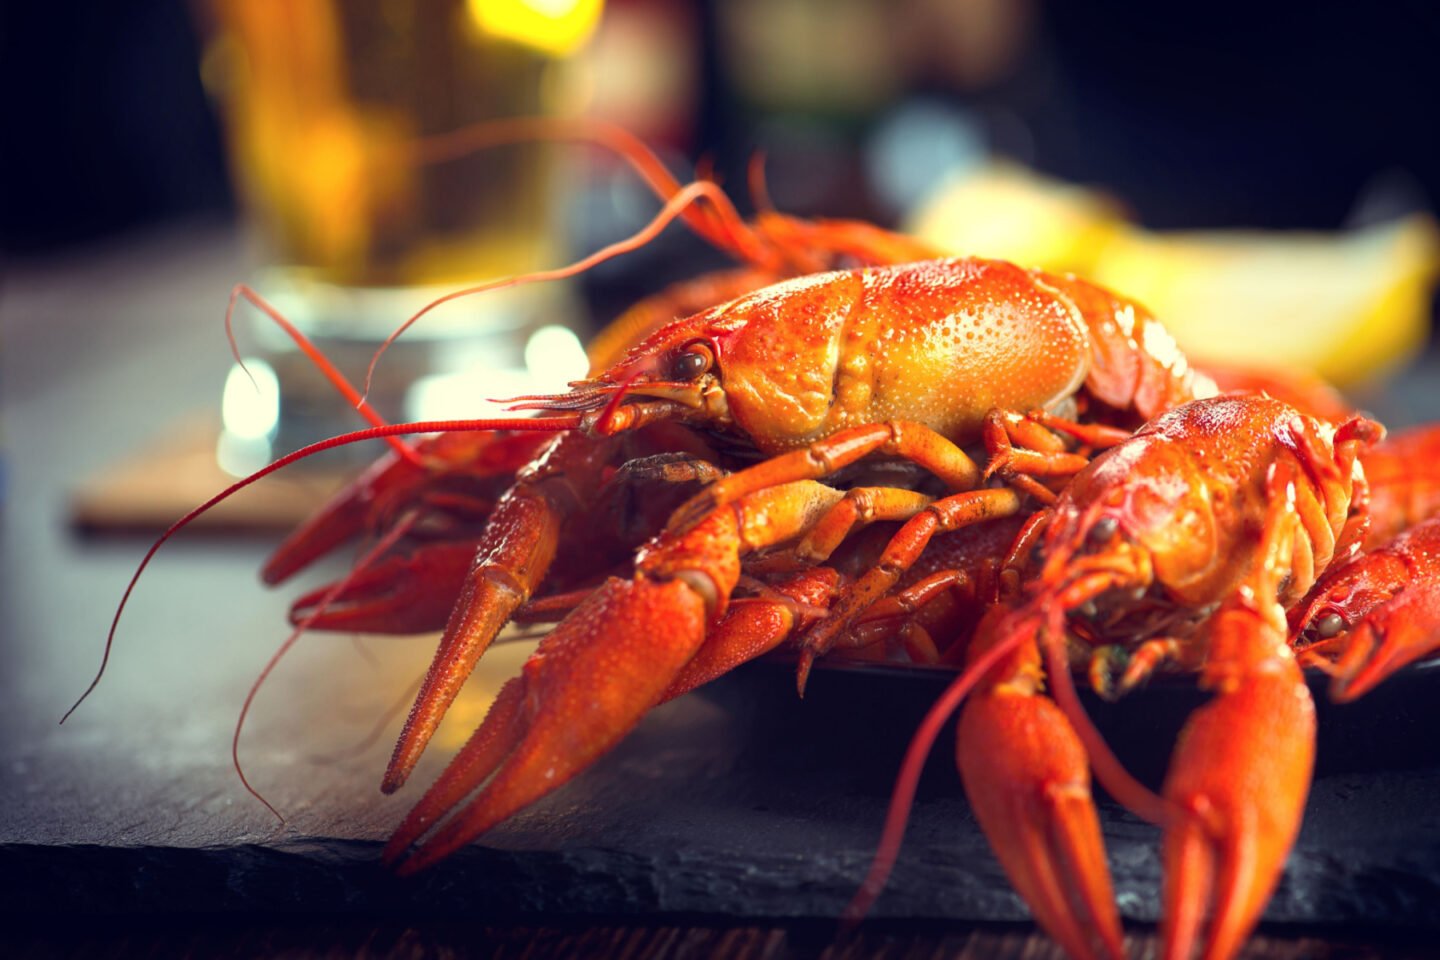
{"x":853,"y":447}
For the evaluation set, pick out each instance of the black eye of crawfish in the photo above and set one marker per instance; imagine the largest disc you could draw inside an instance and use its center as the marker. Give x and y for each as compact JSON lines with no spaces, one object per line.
{"x":1101,"y":533}
{"x":1329,"y":625}
{"x":692,"y":362}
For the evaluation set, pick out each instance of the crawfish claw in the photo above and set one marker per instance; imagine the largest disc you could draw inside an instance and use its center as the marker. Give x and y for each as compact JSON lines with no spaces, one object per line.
{"x":1244,"y":795}
{"x":1389,"y":599}
{"x":585,"y":687}
{"x":1026,"y":774}
{"x":1375,"y":650}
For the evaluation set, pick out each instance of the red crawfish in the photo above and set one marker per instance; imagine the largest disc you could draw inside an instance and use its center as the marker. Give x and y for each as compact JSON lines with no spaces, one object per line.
{"x":1180,"y":544}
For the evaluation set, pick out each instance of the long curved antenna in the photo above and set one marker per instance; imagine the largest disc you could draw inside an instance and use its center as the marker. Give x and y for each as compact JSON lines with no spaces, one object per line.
{"x":759,"y":189}
{"x":374,"y":433}
{"x":676,"y":205}
{"x":1121,"y":784}
{"x":391,"y":537}
{"x":720,"y":224}
{"x":317,"y":357}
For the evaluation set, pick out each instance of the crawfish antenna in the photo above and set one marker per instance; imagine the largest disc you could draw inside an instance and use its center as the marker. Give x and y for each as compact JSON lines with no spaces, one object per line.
{"x":719,"y":224}
{"x":673,"y":208}
{"x":391,"y":537}
{"x":1131,"y":793}
{"x":316,"y":357}
{"x":570,"y":422}
{"x":603,"y":424}
{"x":759,"y":189}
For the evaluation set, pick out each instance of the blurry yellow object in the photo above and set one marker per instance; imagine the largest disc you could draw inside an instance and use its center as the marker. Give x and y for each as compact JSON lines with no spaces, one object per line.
{"x":1346,"y":306}
{"x":556,"y":27}
{"x":1009,"y":213}
{"x":326,"y":101}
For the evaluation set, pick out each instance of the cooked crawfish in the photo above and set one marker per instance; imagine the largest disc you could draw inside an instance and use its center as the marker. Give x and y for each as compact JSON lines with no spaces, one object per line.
{"x":1181,"y":543}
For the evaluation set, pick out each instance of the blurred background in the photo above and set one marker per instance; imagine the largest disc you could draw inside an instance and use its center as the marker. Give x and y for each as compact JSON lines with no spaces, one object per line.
{"x":1231,"y":116}
{"x":1237,"y":115}
{"x":1263,"y":179}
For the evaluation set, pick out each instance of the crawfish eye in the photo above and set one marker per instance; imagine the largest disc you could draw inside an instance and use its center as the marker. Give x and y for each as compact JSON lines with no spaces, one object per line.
{"x":1329,"y":625}
{"x":1104,"y":529}
{"x":692,"y":362}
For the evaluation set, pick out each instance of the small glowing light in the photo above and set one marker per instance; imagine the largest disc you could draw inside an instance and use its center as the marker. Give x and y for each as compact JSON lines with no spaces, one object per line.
{"x":251,"y":411}
{"x":557,"y":27}
{"x":457,"y":396}
{"x":555,"y":356}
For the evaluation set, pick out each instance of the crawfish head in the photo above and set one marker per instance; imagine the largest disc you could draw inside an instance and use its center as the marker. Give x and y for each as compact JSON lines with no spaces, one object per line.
{"x":1177,"y":509}
{"x":764,"y":363}
{"x":1122,"y":528}
{"x":1346,"y":597}
{"x":940,"y":343}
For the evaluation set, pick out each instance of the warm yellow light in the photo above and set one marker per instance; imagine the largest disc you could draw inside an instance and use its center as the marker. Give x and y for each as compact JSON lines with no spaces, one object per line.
{"x":557,"y":27}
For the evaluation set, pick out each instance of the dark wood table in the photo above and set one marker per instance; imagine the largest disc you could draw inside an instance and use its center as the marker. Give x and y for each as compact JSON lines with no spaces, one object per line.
{"x":736,"y":823}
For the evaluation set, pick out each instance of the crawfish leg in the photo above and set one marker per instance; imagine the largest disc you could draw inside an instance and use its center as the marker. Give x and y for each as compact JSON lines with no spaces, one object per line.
{"x":1028,"y":780}
{"x":1136,"y":666}
{"x":1096,"y":436}
{"x":1241,"y":770}
{"x":950,"y":513}
{"x":754,"y":626}
{"x":907,"y":602}
{"x":900,"y":438}
{"x":553,"y":608}
{"x":901,"y":614}
{"x":1016,"y":444}
{"x":402,"y":593}
{"x":861,"y":506}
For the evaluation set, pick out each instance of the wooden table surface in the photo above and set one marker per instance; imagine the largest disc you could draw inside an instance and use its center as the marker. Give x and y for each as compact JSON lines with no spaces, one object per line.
{"x":134,"y":798}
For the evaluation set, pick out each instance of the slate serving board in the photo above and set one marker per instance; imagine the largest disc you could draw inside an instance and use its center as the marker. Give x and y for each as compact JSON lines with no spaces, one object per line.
{"x":749,"y":803}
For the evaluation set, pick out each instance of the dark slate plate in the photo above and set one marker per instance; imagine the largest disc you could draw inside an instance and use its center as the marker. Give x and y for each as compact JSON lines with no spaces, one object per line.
{"x":749,"y":803}
{"x":1387,"y":729}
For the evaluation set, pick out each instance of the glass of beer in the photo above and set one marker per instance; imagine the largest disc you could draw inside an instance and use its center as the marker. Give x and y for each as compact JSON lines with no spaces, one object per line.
{"x":328,"y":107}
